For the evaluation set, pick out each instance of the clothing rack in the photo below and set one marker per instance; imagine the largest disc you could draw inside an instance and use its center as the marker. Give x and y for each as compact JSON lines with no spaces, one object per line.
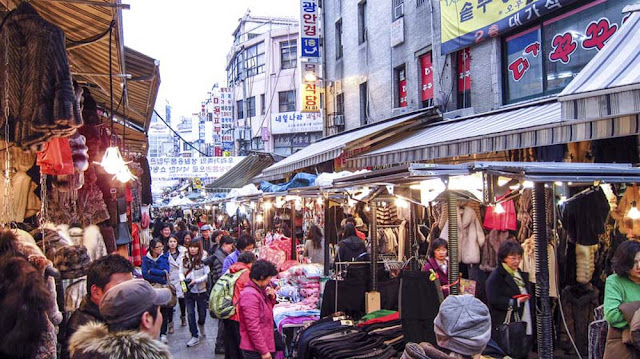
{"x":389,"y":226}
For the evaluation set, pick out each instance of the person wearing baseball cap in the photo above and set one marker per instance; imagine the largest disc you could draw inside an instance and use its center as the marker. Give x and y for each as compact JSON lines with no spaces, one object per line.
{"x":131,"y":311}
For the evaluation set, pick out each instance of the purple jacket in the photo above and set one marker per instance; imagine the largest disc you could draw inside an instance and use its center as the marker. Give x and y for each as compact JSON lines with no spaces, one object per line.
{"x":442,"y":276}
{"x":255,"y":310}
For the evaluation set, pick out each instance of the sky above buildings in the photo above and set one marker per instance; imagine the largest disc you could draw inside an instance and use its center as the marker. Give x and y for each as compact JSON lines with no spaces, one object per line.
{"x":191,"y":39}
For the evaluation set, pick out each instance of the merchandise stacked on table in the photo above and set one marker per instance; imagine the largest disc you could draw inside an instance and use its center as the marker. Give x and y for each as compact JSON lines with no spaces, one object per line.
{"x":298,"y":295}
{"x":336,"y":336}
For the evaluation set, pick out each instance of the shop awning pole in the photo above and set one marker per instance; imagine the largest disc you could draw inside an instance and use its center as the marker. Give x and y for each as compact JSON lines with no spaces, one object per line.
{"x":543,"y":310}
{"x":293,"y":230}
{"x":327,"y":254}
{"x":373,"y":230}
{"x":454,"y":270}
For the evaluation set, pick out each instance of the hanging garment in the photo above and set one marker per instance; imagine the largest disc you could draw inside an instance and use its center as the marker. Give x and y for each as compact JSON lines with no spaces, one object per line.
{"x":92,"y":239}
{"x":626,"y":225}
{"x":402,"y":238}
{"x":55,"y":158}
{"x":470,"y":236}
{"x":490,"y":249}
{"x":525,"y":204}
{"x":586,"y":262}
{"x":419,"y":304}
{"x":528,"y":264}
{"x":578,"y":302}
{"x":75,"y":291}
{"x":136,"y":251}
{"x":23,"y":201}
{"x":38,"y":69}
{"x":580,"y":152}
{"x":386,"y":215}
{"x":584,"y":216}
{"x":505,"y":221}
{"x":616,"y":150}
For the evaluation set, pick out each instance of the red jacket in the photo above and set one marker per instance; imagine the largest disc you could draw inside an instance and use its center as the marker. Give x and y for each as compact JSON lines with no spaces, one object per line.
{"x":256,"y":320}
{"x":240,"y":283}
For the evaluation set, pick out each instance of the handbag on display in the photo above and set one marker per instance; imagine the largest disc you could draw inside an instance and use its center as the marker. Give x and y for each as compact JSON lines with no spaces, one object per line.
{"x":511,"y":336}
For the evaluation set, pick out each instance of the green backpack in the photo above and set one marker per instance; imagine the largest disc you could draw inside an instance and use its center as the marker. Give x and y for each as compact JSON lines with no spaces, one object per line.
{"x":221,"y":299}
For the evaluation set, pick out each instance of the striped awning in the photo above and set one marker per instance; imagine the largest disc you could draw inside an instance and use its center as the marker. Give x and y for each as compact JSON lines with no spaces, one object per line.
{"x":332,"y":147}
{"x":242,"y":173}
{"x":509,"y":129}
{"x":610,"y":83}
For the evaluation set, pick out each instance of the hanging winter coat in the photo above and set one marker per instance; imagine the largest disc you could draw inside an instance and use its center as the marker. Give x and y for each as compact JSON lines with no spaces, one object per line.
{"x":626,"y":225}
{"x":42,"y":103}
{"x":470,"y":236}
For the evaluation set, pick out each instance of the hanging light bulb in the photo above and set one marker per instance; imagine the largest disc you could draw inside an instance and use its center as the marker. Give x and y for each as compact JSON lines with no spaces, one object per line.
{"x":267,"y":205}
{"x":320,"y":201}
{"x":562,"y":200}
{"x":259,"y":218}
{"x":633,"y":212}
{"x":498,"y":209}
{"x":112,"y":161}
{"x":367,"y":208}
{"x":124,"y":175}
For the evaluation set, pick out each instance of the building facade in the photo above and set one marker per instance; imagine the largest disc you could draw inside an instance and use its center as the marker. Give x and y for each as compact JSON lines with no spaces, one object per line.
{"x":385,"y":58}
{"x":263,"y":73}
{"x":162,"y":142}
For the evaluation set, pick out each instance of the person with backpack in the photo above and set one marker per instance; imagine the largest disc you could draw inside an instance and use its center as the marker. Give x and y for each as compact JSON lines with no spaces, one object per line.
{"x":255,"y":309}
{"x":231,"y":325}
{"x":194,"y":273}
{"x":215,"y":263}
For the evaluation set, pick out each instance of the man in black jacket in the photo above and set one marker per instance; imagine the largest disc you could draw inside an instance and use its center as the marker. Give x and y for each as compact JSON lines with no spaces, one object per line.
{"x":103,"y":274}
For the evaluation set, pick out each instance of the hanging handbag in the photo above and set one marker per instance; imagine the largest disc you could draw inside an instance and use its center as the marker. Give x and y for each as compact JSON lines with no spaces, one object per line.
{"x":511,"y":336}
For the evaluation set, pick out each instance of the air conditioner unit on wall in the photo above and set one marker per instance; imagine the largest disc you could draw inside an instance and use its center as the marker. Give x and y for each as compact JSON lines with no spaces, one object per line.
{"x":398,"y":11}
{"x":338,"y":120}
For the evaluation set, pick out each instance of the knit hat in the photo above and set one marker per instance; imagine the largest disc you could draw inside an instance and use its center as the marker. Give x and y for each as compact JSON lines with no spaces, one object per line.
{"x":463,"y":325}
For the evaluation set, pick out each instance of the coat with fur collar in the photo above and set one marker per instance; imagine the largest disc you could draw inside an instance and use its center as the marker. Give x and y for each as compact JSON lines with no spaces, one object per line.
{"x":94,"y":341}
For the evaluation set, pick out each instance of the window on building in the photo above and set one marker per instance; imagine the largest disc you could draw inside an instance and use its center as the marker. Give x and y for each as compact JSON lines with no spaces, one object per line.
{"x":463,"y":71}
{"x":544,"y":58}
{"x":362,"y":21}
{"x":263,"y":105}
{"x":287,"y":101}
{"x":185,"y":146}
{"x":420,"y":3}
{"x":251,"y":107}
{"x":288,"y":54}
{"x":426,"y":79}
{"x":240,"y":109}
{"x":398,"y":9}
{"x":339,"y":39}
{"x":401,"y":86}
{"x":254,"y":59}
{"x":340,"y":104}
{"x":364,"y":104}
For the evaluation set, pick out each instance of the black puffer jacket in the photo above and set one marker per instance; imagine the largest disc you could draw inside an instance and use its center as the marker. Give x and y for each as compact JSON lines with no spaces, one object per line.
{"x":88,"y":311}
{"x":351,"y":248}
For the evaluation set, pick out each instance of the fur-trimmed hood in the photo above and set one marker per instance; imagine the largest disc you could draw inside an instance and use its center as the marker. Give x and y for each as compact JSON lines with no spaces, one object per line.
{"x":94,"y":340}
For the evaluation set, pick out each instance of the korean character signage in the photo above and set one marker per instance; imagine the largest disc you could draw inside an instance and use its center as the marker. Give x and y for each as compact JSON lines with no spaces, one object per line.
{"x":309,"y":31}
{"x":311,"y":97}
{"x":468,"y":22}
{"x":202,"y":167}
{"x":426,"y":74}
{"x":291,"y":122}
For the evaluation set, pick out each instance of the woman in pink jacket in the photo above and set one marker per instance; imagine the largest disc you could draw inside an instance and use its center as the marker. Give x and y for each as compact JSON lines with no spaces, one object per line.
{"x":255,"y":310}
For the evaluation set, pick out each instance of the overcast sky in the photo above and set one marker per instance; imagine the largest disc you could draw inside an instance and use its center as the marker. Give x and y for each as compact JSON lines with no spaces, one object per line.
{"x":191,"y":39}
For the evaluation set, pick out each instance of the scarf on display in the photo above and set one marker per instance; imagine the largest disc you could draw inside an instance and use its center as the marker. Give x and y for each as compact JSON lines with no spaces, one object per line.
{"x":516,"y":275}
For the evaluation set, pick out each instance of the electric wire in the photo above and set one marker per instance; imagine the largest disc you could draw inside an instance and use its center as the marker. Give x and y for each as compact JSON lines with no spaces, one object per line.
{"x":180,"y":137}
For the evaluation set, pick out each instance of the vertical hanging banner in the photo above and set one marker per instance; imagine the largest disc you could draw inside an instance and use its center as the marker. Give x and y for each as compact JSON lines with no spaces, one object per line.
{"x":464,"y":23}
{"x":309,"y":33}
{"x":426,"y":70}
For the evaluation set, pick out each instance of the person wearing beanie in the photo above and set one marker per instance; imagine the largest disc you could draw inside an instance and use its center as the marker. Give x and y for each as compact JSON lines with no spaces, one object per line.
{"x":463,"y":325}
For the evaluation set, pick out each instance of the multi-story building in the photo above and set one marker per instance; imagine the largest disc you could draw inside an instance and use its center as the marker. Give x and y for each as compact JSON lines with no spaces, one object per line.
{"x":384,"y":58}
{"x":263,"y":73}
{"x":161,"y":139}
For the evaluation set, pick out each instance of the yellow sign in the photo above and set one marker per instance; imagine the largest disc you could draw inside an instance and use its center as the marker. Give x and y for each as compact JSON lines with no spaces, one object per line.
{"x":311,"y":97}
{"x":468,"y":22}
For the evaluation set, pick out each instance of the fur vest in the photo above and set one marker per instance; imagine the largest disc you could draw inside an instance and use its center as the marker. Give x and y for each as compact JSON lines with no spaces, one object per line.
{"x":96,"y":342}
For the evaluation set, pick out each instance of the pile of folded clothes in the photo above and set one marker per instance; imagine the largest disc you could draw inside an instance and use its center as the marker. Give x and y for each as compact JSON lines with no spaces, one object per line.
{"x":384,"y":324}
{"x":337,"y":337}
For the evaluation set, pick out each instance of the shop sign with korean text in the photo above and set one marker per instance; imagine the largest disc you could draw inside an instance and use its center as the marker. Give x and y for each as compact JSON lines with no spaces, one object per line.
{"x":291,"y":122}
{"x":468,"y":22}
{"x":309,"y":30}
{"x":311,"y":97}
{"x":202,"y":167}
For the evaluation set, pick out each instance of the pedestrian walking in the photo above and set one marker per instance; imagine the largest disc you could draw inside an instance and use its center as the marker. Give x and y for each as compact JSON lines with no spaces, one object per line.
{"x":133,"y":319}
{"x":176,"y":254}
{"x":215,"y":263}
{"x":245,"y":243}
{"x":103,"y":273}
{"x":232,"y":325}
{"x":155,"y":269}
{"x":255,"y":308}
{"x":194,"y":273}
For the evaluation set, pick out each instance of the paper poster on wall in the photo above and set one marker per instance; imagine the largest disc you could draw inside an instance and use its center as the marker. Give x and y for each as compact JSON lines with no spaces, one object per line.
{"x":202,"y":167}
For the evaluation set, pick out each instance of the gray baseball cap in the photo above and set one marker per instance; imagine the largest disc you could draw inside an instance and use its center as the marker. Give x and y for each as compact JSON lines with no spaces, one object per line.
{"x":130,"y":299}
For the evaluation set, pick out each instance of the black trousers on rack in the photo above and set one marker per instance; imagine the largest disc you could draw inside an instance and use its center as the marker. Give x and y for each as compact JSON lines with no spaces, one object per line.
{"x":419,"y":305}
{"x":350,"y":298}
